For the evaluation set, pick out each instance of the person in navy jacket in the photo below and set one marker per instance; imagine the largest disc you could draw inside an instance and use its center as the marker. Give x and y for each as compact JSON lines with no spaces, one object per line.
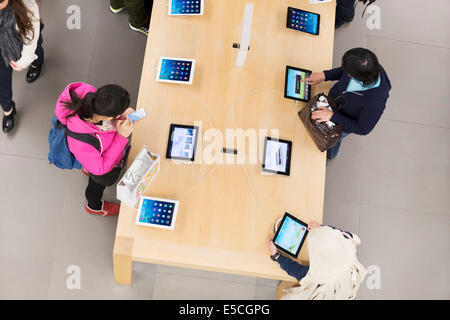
{"x":361,"y":92}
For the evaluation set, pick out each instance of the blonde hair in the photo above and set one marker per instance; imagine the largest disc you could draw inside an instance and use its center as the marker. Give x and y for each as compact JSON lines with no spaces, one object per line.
{"x":335,"y":272}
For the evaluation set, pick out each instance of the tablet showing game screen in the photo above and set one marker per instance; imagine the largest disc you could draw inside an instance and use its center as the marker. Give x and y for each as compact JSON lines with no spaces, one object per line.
{"x":175,"y":70}
{"x":186,"y":7}
{"x":290,"y":235}
{"x":182,"y":142}
{"x":302,"y":20}
{"x":277,"y":156}
{"x":294,"y":88}
{"x":157,"y":213}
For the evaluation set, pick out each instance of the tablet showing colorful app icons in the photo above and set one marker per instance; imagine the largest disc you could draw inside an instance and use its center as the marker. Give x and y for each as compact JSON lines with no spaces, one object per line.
{"x":157,"y":213}
{"x":302,"y":20}
{"x":186,"y":7}
{"x":291,"y":235}
{"x":277,"y":156}
{"x":294,"y":88}
{"x":182,"y":142}
{"x":175,"y":70}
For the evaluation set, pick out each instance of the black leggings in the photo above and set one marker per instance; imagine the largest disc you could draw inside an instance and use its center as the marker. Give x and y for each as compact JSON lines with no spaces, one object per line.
{"x":97,"y":185}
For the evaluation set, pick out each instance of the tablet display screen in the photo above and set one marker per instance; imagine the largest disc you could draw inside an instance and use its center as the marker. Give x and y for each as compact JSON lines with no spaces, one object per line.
{"x":277,"y":156}
{"x":295,"y":89}
{"x":182,"y":142}
{"x":186,"y":7}
{"x":176,"y":70}
{"x":291,"y":235}
{"x":302,"y":20}
{"x":154,"y":212}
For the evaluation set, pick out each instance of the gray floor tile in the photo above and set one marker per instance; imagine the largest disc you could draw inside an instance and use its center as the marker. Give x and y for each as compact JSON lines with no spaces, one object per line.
{"x":406,"y":166}
{"x":205,"y":274}
{"x":341,"y":214}
{"x":411,"y":250}
{"x":401,"y":20}
{"x":82,"y":237}
{"x":265,"y":293}
{"x":179,"y":287}
{"x":97,"y":282}
{"x":23,"y":277}
{"x":413,"y":97}
{"x":32,"y":203}
{"x":343,"y":172}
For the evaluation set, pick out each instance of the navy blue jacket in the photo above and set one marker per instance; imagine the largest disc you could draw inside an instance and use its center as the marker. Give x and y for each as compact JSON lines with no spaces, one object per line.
{"x":360,"y":110}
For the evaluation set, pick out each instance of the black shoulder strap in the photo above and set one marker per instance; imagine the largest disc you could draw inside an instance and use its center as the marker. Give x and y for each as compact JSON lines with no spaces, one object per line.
{"x":84,"y":137}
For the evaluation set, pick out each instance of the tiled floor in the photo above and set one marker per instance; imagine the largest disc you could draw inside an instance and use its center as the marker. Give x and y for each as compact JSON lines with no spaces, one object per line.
{"x":390,"y":187}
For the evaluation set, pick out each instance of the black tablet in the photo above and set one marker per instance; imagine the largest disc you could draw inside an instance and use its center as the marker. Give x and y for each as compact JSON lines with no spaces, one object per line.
{"x":302,"y":20}
{"x":290,"y":235}
{"x":293,"y":87}
{"x":277,"y":156}
{"x":182,"y":142}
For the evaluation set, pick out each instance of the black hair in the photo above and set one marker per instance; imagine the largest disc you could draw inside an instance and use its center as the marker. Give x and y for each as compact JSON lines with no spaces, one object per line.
{"x":109,"y":101}
{"x":361,"y":64}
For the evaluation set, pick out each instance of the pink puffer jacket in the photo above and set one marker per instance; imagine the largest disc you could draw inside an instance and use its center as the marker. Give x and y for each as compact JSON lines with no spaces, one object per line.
{"x":112,"y":143}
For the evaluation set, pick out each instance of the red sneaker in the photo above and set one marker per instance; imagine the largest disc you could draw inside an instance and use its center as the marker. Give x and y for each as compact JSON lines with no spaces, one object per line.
{"x":108,"y":209}
{"x":84,"y":171}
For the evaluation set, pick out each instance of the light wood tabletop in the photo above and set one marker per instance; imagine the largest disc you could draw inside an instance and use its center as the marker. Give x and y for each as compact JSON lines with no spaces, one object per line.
{"x":227,"y":212}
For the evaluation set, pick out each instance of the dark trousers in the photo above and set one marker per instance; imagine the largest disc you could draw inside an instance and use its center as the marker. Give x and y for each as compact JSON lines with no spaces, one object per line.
{"x":97,"y":185}
{"x":6,"y":76}
{"x":344,"y":10}
{"x":139,"y":11}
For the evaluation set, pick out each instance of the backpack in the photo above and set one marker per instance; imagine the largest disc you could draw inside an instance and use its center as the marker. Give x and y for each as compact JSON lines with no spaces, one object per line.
{"x":60,"y":154}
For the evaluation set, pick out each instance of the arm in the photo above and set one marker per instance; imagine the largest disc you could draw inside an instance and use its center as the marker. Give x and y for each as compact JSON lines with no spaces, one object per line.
{"x":362,"y":125}
{"x":28,"y":49}
{"x":333,"y":74}
{"x":292,"y":268}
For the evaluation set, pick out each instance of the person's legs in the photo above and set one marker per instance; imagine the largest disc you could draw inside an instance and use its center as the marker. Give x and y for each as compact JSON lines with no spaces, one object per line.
{"x":94,"y":195}
{"x":36,"y":66}
{"x":139,"y":16}
{"x":5,"y":87}
{"x":345,"y":10}
{"x":334,"y":151}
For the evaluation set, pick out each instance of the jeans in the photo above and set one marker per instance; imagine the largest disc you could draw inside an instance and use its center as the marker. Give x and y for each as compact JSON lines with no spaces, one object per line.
{"x":6,"y":76}
{"x":139,"y":11}
{"x":333,"y":152}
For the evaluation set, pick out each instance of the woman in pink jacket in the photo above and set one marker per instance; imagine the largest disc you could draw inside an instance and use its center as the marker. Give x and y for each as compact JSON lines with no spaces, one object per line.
{"x":101,"y":113}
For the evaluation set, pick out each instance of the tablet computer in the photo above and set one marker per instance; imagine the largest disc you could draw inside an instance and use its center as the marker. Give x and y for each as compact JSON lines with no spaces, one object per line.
{"x":182,"y":142}
{"x":293,"y":87}
{"x":302,"y":20}
{"x":186,"y":7}
{"x":277,"y":156}
{"x":157,"y":213}
{"x":290,"y":235}
{"x":175,"y":70}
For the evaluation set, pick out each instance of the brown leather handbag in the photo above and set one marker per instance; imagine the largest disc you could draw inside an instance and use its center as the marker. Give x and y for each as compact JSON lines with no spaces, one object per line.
{"x":324,"y":137}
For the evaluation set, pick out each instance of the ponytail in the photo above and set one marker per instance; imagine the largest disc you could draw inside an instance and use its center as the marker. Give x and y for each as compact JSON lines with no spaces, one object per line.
{"x":83,"y":107}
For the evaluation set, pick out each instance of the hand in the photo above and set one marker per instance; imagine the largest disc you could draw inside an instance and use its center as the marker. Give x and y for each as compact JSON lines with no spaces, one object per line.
{"x":125,"y":114}
{"x":271,"y":246}
{"x":313,"y":224}
{"x":125,"y":127}
{"x":322,"y":115}
{"x":315,"y":78}
{"x":15,"y":66}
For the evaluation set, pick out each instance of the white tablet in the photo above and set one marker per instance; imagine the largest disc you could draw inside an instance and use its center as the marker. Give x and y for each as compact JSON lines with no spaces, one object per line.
{"x":175,"y":70}
{"x":157,"y":213}
{"x":186,"y":7}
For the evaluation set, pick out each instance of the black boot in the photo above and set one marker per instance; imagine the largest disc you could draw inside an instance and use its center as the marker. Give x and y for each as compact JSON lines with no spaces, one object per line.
{"x":33,"y":73}
{"x":8,"y":121}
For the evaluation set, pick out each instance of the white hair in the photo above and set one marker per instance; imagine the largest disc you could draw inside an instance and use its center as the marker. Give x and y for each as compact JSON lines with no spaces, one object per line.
{"x":334,"y":271}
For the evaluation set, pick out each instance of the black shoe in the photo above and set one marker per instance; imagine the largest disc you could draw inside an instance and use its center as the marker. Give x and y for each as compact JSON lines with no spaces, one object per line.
{"x":33,"y":73}
{"x":8,"y":121}
{"x":350,"y":18}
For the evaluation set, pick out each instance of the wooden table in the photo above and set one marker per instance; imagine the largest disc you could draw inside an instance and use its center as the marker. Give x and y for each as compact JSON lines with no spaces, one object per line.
{"x":226,"y":212}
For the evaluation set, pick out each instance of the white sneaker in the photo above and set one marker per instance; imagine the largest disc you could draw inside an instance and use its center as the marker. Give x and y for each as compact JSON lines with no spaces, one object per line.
{"x":143,"y":30}
{"x":116,"y":11}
